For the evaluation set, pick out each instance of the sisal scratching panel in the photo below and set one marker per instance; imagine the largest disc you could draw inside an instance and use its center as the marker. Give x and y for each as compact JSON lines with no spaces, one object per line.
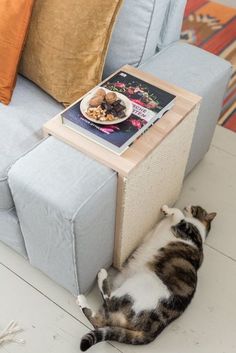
{"x":154,"y":182}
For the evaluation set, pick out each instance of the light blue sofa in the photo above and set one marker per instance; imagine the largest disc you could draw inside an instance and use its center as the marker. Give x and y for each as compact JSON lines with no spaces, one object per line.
{"x":57,"y":206}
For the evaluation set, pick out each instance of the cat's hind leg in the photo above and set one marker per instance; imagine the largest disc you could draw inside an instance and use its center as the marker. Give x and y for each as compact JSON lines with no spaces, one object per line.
{"x":96,"y":319}
{"x":176,"y":214}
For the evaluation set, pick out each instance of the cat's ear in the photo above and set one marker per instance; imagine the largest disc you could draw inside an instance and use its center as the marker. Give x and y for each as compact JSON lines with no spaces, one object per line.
{"x":210,"y":216}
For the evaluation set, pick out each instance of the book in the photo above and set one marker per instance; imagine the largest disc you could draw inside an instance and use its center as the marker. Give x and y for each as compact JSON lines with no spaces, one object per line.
{"x":149,"y":103}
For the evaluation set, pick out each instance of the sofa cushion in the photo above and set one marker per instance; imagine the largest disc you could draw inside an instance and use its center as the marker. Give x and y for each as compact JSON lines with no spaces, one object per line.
{"x":20,"y":128}
{"x":142,"y":28}
{"x":67,"y":44}
{"x":172,"y":25}
{"x":15,"y":16}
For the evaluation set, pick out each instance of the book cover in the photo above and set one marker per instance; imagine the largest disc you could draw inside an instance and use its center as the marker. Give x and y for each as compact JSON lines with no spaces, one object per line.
{"x":149,"y":104}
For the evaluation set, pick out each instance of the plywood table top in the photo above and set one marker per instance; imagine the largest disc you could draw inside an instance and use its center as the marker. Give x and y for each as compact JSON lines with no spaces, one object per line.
{"x":124,"y":164}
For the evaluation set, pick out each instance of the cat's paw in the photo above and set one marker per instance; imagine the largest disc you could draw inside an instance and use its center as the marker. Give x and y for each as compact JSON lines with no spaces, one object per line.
{"x":187,"y":211}
{"x":102,"y":275}
{"x":165,"y":210}
{"x":81,"y":301}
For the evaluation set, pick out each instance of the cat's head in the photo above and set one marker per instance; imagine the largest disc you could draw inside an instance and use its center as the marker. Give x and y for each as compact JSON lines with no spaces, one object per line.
{"x":202,"y":215}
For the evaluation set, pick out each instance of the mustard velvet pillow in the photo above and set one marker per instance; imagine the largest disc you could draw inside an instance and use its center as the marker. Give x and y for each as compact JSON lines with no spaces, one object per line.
{"x":67,"y":45}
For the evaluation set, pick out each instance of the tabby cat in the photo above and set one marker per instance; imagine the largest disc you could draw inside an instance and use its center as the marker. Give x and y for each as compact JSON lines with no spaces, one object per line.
{"x":156,"y":284}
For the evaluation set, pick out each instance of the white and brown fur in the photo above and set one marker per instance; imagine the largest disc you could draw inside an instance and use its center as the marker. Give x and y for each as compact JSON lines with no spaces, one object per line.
{"x":156,"y":284}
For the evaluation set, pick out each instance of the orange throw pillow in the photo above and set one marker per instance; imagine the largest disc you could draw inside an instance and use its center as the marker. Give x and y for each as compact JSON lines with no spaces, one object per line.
{"x":14,"y":20}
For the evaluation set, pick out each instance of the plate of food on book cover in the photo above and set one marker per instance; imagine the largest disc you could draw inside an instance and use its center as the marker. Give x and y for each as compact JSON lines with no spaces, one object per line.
{"x":106,"y":107}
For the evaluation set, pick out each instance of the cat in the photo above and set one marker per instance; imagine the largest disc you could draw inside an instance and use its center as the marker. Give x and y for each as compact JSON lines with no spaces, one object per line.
{"x":156,"y":284}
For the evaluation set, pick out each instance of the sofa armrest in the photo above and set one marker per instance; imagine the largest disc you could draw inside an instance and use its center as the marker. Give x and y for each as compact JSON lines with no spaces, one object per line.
{"x":201,"y":73}
{"x":65,"y":202}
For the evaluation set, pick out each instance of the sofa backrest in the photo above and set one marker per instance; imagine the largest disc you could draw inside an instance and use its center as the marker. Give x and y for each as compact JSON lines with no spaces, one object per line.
{"x":143,"y":27}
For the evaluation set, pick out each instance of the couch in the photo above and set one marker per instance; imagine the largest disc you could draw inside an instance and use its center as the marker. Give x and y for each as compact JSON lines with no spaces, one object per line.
{"x":52,"y":197}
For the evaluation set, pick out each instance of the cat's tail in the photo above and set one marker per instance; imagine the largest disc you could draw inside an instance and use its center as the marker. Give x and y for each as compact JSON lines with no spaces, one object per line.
{"x":118,"y":334}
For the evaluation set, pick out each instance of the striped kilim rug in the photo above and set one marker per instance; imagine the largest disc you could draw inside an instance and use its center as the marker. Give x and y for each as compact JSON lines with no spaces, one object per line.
{"x":212,"y":27}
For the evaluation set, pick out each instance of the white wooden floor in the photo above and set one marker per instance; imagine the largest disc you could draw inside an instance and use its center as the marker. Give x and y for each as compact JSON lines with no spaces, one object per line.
{"x":52,"y":322}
